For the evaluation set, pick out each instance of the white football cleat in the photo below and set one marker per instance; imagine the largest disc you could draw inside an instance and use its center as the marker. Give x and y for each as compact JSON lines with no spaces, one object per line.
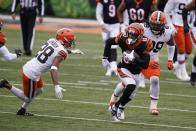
{"x":185,"y":76}
{"x":154,"y":112}
{"x":113,"y":111}
{"x":121,"y":113}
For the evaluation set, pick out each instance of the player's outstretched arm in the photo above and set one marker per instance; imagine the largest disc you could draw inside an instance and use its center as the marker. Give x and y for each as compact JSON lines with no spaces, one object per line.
{"x":54,"y":76}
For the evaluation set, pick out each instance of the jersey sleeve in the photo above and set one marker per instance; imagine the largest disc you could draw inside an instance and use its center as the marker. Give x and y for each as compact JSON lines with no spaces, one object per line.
{"x":2,"y":38}
{"x":63,"y":54}
{"x":149,"y":45}
{"x":118,"y":39}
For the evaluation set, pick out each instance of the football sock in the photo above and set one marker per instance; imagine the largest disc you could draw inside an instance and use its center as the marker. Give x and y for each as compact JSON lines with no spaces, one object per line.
{"x":19,"y":93}
{"x":154,"y":87}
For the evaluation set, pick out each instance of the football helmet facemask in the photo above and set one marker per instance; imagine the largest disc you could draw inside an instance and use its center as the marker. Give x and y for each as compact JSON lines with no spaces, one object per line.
{"x":66,"y":36}
{"x":134,"y":33}
{"x":157,"y":22}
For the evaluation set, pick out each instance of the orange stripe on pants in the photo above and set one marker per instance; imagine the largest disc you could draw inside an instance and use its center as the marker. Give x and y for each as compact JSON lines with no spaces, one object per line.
{"x":183,"y":40}
{"x":27,"y":85}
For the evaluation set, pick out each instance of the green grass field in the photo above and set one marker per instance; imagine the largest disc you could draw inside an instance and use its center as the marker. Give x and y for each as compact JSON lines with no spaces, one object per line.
{"x":84,"y":106}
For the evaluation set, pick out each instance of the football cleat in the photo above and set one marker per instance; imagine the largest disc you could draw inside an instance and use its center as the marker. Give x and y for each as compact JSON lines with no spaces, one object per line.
{"x":23,"y":112}
{"x":120,"y":113}
{"x":3,"y":83}
{"x":193,"y":79}
{"x":113,"y":111}
{"x":154,"y":112}
{"x":18,"y":52}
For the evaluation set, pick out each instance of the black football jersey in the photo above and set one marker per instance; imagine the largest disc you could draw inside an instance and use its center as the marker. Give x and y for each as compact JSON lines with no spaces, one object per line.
{"x":138,"y":11}
{"x":139,"y":48}
{"x":110,"y":10}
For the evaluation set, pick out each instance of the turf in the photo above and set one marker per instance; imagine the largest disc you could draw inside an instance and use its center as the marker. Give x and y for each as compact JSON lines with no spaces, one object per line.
{"x":85,"y":103}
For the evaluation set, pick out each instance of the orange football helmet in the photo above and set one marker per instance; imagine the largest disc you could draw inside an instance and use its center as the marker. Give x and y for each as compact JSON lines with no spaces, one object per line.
{"x":134,"y":33}
{"x":157,"y":22}
{"x":66,"y":36}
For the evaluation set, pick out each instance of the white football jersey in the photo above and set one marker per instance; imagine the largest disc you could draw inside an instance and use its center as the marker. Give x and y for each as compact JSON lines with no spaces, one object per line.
{"x":44,"y":59}
{"x":158,"y":40}
{"x":174,"y":8}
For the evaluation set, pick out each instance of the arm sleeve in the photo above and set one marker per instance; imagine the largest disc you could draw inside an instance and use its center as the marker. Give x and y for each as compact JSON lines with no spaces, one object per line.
{"x":184,"y":17}
{"x":99,"y":13}
{"x":143,"y":61}
{"x":14,"y":5}
{"x":170,"y":50}
{"x":41,"y":6}
{"x":107,"y":47}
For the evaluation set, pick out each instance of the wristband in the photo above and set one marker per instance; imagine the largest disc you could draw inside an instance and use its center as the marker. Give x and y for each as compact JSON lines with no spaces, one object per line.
{"x":54,"y":68}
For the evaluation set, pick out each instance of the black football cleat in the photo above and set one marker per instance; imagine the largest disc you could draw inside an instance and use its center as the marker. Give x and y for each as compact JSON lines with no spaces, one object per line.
{"x":3,"y":83}
{"x":18,"y":52}
{"x":193,"y":79}
{"x":23,"y":112}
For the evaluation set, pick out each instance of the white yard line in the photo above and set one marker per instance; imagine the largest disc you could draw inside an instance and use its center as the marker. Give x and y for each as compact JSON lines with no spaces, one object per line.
{"x":108,"y":121}
{"x":103,"y":104}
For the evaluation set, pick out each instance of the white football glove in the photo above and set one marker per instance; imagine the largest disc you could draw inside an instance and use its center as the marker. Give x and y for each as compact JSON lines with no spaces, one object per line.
{"x":105,"y":63}
{"x":77,"y":51}
{"x":128,"y":57}
{"x":123,"y":28}
{"x":58,"y":92}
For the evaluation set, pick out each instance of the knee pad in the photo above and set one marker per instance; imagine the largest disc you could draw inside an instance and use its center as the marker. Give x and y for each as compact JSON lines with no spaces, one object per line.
{"x":154,"y":80}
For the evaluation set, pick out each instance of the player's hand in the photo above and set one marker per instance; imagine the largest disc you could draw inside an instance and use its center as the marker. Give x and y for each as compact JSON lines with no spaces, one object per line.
{"x":186,"y":28}
{"x":123,"y":28}
{"x":154,"y":64}
{"x":41,"y":19}
{"x":103,"y":28}
{"x":77,"y":51}
{"x":58,"y":91}
{"x":13,"y":16}
{"x":105,"y":63}
{"x":170,"y":65}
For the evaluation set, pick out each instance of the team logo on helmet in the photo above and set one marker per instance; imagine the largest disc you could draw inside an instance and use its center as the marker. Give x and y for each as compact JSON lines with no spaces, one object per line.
{"x":134,"y":33}
{"x":66,"y":36}
{"x":157,"y":22}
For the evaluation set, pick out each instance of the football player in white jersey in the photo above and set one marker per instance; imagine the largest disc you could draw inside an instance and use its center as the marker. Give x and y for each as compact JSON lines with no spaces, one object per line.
{"x":159,"y":33}
{"x":182,"y":39}
{"x":191,"y":7}
{"x":49,"y":57}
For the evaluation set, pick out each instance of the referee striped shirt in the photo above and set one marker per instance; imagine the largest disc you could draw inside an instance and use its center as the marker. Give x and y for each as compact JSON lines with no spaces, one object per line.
{"x":29,"y":4}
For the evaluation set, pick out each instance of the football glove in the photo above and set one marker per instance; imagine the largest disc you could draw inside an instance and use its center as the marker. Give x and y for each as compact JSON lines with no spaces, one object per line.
{"x":58,"y":91}
{"x":154,"y":64}
{"x":128,"y":57}
{"x":105,"y":63}
{"x":77,"y":51}
{"x":170,"y":65}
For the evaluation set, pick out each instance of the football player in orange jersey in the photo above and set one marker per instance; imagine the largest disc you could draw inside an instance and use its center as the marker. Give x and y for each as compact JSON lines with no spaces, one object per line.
{"x":189,"y":7}
{"x":51,"y":54}
{"x":131,"y":64}
{"x":4,"y":50}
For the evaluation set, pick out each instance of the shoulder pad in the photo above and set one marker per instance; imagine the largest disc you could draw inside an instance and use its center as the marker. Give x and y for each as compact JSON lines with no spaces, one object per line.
{"x":120,"y":35}
{"x":2,"y":38}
